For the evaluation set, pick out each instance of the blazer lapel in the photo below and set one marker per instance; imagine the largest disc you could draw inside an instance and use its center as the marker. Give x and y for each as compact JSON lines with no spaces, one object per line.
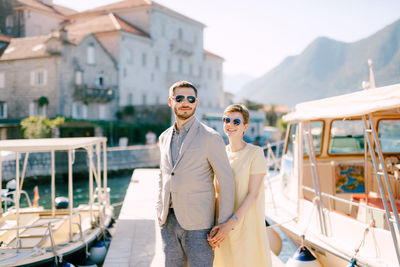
{"x":188,"y":139}
{"x":168,"y":147}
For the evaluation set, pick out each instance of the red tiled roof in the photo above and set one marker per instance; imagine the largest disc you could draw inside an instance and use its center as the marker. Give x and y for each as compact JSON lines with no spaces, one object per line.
{"x":59,"y":10}
{"x":113,"y":7}
{"x":173,"y":11}
{"x":212,"y":54}
{"x":124,"y":5}
{"x":104,"y":23}
{"x":28,"y":47}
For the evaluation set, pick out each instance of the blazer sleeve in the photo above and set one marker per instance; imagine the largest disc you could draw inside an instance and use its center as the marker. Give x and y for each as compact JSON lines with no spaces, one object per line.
{"x":219,"y":162}
{"x":160,"y":185}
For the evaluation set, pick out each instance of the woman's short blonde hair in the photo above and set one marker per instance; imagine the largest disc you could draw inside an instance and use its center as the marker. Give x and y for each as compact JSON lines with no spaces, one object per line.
{"x":242,"y":109}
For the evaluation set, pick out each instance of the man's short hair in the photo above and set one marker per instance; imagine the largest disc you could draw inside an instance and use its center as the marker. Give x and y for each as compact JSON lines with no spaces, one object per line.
{"x":240,"y":109}
{"x":182,"y":84}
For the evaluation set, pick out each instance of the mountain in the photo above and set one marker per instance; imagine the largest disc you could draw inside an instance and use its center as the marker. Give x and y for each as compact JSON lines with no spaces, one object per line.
{"x":233,"y":83}
{"x":329,"y":67}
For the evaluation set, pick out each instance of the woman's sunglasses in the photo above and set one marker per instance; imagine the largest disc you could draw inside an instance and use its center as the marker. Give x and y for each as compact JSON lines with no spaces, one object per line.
{"x":181,"y":98}
{"x":227,"y":120}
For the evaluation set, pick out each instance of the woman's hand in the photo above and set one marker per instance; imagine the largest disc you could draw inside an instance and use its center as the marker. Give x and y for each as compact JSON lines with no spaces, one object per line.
{"x":219,"y":233}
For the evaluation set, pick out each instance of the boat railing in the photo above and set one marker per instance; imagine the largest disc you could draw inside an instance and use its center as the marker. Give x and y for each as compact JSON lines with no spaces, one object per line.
{"x":49,"y":232}
{"x":273,"y":153}
{"x":349,"y":202}
{"x":12,"y":200}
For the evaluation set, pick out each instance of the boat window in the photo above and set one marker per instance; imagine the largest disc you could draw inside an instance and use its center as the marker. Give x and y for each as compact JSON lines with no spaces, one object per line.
{"x":291,"y":139}
{"x":389,"y":135}
{"x":347,"y":137}
{"x":316,"y":131}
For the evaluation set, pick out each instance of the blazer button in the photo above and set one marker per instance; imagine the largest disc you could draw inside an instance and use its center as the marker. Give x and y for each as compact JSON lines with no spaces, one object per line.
{"x":172,"y":174}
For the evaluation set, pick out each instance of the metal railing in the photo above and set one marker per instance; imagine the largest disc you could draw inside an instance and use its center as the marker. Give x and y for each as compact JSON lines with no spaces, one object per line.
{"x":273,"y":153}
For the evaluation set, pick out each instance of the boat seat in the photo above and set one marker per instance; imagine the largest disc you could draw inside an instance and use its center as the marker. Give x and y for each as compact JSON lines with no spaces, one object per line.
{"x":7,"y":236}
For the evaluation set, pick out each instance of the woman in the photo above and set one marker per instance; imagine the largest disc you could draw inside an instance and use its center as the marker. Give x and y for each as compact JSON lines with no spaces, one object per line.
{"x":242,"y":241}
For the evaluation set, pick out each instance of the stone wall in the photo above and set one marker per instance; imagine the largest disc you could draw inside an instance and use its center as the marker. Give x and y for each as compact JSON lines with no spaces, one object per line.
{"x":118,"y":159}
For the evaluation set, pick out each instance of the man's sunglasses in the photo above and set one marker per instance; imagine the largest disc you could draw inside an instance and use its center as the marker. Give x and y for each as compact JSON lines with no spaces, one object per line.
{"x":227,"y":120}
{"x":181,"y":98}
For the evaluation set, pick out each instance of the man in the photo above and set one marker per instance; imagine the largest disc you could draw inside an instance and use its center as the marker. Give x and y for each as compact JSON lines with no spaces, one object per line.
{"x":191,"y":153}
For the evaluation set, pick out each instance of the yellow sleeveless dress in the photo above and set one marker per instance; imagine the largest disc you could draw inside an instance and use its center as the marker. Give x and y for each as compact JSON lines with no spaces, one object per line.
{"x":247,"y":245}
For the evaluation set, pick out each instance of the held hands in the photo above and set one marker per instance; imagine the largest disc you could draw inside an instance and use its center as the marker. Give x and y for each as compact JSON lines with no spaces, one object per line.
{"x":219,"y":233}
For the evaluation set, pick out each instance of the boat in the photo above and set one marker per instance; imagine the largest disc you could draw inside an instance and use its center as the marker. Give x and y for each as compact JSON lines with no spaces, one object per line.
{"x":35,"y":236}
{"x":338,"y":188}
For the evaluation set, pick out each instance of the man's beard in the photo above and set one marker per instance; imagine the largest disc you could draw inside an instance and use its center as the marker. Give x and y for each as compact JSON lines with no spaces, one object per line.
{"x":185,"y":115}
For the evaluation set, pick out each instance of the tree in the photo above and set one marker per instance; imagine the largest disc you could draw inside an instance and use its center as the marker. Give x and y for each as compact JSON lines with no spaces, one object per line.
{"x":272,"y":117}
{"x":251,"y":105}
{"x":40,"y":126}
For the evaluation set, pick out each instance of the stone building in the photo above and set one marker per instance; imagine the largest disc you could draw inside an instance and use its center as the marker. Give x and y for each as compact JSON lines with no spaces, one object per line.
{"x":25,"y":18}
{"x":145,"y":46}
{"x":78,"y":80}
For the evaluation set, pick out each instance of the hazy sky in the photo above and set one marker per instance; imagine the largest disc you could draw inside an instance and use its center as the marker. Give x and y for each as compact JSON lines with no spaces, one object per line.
{"x":255,"y":35}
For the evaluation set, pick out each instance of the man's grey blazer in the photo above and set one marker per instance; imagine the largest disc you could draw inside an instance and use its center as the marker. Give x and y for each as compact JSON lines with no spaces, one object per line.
{"x":190,"y":181}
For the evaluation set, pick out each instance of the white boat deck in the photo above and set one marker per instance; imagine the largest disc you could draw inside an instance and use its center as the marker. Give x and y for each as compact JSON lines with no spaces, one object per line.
{"x":137,"y":239}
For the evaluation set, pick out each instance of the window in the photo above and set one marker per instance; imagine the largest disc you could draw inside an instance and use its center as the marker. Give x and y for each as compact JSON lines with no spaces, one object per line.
{"x":130,"y":99}
{"x":209,"y":73}
{"x":91,"y":56}
{"x":129,"y":56}
{"x":144,"y":60}
{"x":2,"y":80}
{"x":163,"y":29}
{"x":389,"y":135}
{"x":76,"y":111}
{"x":190,"y":69}
{"x":291,"y":140}
{"x":169,"y":65}
{"x":200,"y":71}
{"x":9,"y":23}
{"x":347,"y":137}
{"x":102,"y":111}
{"x":3,"y":110}
{"x":99,"y":81}
{"x":84,"y":111}
{"x":180,"y":66}
{"x":124,"y":72}
{"x":316,"y":131}
{"x":38,"y":77}
{"x":157,"y":62}
{"x":217,"y":74}
{"x":152,"y":77}
{"x":144,"y":99}
{"x":78,"y":77}
{"x":32,"y":108}
{"x":180,"y":34}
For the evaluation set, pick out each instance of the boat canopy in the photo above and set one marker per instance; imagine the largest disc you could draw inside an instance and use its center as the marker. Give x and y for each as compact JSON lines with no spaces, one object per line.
{"x":348,"y":105}
{"x":48,"y":144}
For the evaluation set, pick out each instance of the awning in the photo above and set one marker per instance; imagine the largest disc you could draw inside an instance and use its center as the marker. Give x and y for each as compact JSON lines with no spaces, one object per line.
{"x":348,"y":105}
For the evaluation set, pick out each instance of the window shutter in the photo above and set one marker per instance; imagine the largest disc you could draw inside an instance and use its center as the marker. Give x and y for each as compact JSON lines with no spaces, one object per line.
{"x":32,"y":78}
{"x":44,"y":77}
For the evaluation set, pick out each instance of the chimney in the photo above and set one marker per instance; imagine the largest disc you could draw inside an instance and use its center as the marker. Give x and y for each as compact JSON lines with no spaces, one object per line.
{"x":64,"y":34}
{"x":47,"y":2}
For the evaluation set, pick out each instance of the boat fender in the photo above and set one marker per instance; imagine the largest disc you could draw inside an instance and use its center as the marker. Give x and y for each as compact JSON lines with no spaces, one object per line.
{"x":352,"y":263}
{"x":11,"y":185}
{"x":88,"y":263}
{"x":275,"y":241}
{"x":61,"y":202}
{"x":303,"y":258}
{"x":98,"y":252}
{"x":66,"y":264}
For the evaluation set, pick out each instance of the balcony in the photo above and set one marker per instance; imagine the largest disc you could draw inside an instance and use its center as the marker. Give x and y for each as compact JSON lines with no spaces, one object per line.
{"x":89,"y":93}
{"x":182,"y":47}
